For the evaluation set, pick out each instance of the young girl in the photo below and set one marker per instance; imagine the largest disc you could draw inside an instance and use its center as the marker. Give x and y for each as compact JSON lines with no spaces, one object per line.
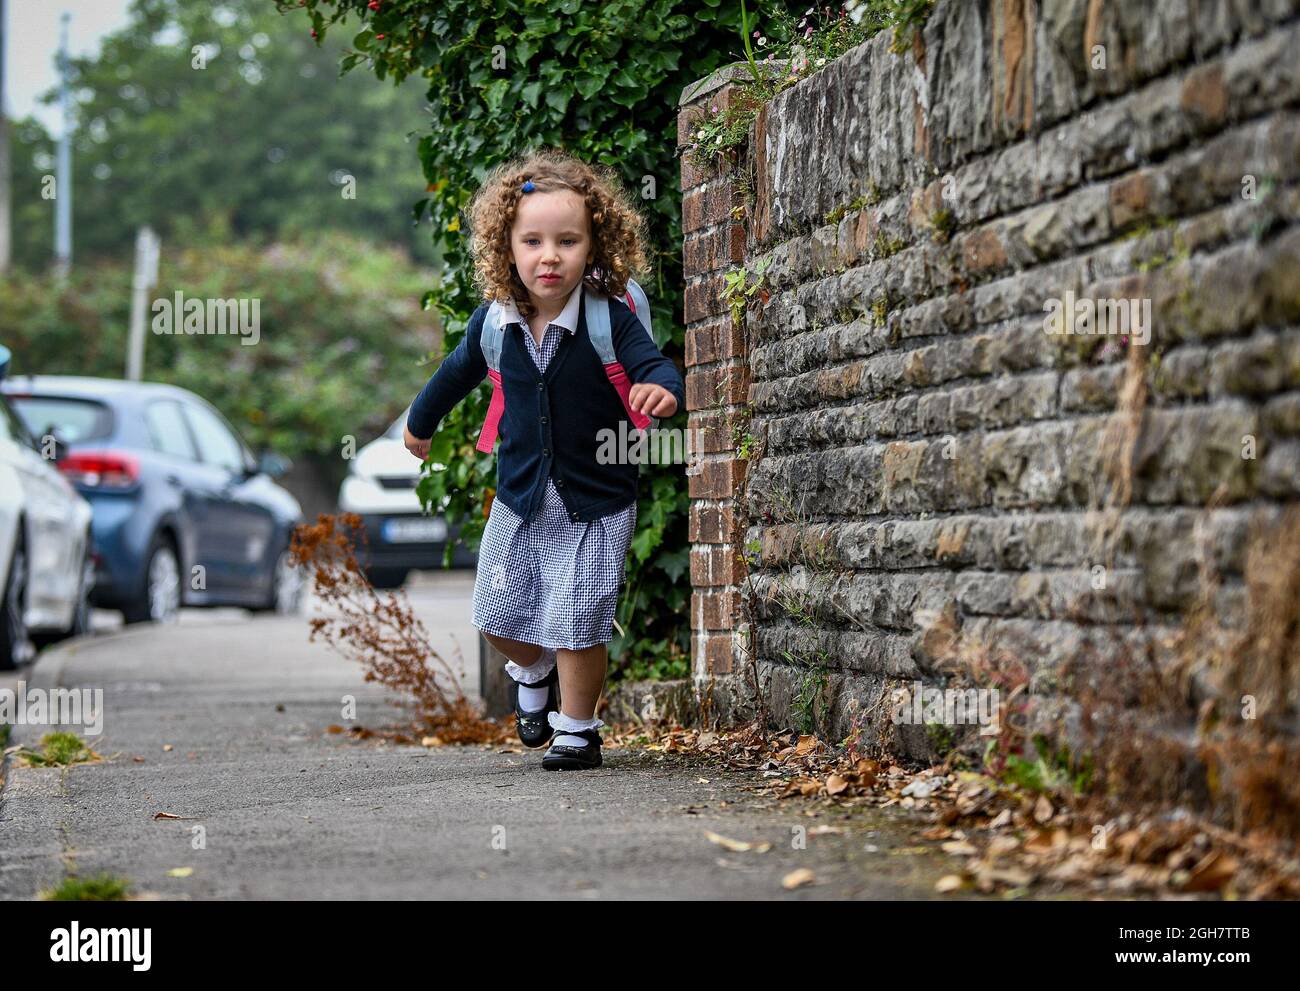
{"x":547,"y":231}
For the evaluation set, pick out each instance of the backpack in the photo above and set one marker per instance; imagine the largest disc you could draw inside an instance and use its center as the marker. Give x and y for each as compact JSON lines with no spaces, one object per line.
{"x":596,"y":308}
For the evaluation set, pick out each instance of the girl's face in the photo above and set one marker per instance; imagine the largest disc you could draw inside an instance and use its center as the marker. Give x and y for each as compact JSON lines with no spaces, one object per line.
{"x":550,"y":244}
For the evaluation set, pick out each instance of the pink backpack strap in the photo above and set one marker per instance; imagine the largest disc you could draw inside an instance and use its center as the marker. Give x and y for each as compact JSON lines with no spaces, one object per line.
{"x":623,"y":386}
{"x":488,"y":435}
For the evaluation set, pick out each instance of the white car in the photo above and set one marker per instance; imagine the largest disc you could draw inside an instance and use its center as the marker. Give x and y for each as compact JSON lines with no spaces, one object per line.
{"x":46,"y":563}
{"x":400,"y":537}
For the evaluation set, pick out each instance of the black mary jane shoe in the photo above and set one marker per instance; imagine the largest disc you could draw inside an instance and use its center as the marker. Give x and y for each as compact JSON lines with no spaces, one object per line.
{"x":564,"y":758}
{"x":534,"y":728}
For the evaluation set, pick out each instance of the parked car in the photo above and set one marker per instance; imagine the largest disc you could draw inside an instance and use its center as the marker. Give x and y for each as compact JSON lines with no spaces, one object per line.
{"x":399,"y":536}
{"x":183,"y":513}
{"x":46,"y":569}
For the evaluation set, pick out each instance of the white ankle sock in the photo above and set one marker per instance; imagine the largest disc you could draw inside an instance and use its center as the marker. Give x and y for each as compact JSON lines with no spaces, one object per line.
{"x":559,"y":721}
{"x":533,"y":699}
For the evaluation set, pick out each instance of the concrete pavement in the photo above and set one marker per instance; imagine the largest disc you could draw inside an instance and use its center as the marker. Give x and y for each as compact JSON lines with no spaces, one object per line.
{"x":285,"y":809}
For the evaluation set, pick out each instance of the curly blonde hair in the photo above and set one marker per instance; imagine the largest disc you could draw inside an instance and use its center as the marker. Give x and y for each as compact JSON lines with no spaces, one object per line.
{"x":617,"y":227}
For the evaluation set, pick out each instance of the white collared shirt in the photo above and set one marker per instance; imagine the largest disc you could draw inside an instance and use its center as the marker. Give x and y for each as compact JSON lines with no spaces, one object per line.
{"x":568,"y":318}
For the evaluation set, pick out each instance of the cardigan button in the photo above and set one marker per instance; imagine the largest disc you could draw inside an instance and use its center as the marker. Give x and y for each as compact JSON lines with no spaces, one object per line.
{"x":559,"y":483}
{"x":546,"y":452}
{"x":541,"y":386}
{"x":574,"y":515}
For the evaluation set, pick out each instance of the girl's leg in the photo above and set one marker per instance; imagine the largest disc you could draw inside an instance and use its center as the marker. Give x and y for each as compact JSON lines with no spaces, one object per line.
{"x":521,"y":653}
{"x":582,"y":677}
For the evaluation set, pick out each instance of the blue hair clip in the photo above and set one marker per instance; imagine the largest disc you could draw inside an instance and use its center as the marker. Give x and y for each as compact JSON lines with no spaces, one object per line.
{"x":528,"y":186}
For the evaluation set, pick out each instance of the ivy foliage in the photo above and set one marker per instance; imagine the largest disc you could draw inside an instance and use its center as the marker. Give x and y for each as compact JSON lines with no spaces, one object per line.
{"x":603,"y":81}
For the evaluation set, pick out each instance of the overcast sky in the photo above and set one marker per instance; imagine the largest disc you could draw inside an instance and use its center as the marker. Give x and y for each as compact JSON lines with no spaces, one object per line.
{"x":32,"y":39}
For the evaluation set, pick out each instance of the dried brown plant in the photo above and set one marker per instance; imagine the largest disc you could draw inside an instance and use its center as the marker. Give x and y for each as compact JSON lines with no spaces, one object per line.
{"x":381,"y":632}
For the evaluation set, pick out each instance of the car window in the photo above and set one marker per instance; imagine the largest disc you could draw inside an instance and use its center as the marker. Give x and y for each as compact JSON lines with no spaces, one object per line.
{"x":76,"y":420}
{"x":217,"y":445}
{"x":12,"y":428}
{"x":167,"y":430}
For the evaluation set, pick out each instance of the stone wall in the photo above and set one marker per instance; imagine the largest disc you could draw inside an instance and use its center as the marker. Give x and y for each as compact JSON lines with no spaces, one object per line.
{"x":898,"y":455}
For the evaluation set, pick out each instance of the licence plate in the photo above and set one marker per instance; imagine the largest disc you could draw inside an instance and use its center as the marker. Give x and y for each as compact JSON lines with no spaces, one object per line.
{"x":416,"y":531}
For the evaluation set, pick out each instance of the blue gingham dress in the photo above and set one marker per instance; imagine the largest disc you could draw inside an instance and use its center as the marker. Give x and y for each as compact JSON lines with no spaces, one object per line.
{"x":552,"y":582}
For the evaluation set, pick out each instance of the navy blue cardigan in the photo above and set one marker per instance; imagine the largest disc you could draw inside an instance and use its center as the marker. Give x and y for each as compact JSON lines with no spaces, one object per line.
{"x":552,"y":422}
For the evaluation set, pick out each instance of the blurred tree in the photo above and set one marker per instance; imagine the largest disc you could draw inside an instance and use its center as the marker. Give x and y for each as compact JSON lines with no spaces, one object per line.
{"x":224,"y":121}
{"x":341,"y":335}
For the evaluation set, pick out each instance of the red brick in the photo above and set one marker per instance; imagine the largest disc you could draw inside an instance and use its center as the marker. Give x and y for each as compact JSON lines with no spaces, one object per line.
{"x":713,"y":342}
{"x":714,"y":524}
{"x":718,"y":479}
{"x":704,"y":253}
{"x":688,"y":120}
{"x":692,"y":176}
{"x":712,"y":431}
{"x":715,"y":609}
{"x":703,"y":300}
{"x":713,"y":654}
{"x":717,"y":564}
{"x":693,"y":210}
{"x":708,"y":386}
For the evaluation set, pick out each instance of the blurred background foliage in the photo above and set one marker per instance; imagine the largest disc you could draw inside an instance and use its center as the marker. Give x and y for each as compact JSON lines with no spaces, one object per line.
{"x":338,"y":316}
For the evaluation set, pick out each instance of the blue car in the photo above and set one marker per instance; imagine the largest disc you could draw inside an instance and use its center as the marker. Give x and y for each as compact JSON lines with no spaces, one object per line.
{"x":183,"y":513}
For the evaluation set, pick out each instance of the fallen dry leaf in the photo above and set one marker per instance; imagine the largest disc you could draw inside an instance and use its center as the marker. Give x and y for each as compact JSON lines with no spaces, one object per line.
{"x":949,"y":882}
{"x":167,"y":748}
{"x":736,"y":846}
{"x":836,"y":784}
{"x":1212,"y":872}
{"x":1042,"y":809}
{"x":180,"y":872}
{"x":797,"y":879}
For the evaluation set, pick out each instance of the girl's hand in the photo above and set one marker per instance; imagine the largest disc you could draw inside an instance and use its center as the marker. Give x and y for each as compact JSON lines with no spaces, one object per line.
{"x":652,"y":400}
{"x":420,"y":448}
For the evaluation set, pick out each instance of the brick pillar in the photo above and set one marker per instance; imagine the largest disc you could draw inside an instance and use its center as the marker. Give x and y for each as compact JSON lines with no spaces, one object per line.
{"x":717,"y":387}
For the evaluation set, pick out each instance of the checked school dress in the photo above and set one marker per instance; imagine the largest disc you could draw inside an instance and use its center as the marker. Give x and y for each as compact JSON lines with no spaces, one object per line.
{"x":551,"y":582}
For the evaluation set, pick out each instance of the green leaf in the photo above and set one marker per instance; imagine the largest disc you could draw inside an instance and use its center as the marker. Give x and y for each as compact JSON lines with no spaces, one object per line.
{"x":674,"y":563}
{"x":531,"y":92}
{"x":496,"y":93}
{"x":440,"y":447}
{"x":590,"y":85}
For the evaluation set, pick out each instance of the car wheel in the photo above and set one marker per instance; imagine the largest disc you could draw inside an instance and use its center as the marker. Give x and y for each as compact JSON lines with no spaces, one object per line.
{"x":161,"y":601}
{"x":387,"y":577}
{"x":16,"y":647}
{"x":81,"y":624}
{"x":288,"y":587}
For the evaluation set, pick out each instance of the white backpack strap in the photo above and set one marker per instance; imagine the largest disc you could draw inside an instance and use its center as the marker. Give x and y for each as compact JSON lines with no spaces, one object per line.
{"x":598,"y":327}
{"x":640,"y":305}
{"x":492,"y":336}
